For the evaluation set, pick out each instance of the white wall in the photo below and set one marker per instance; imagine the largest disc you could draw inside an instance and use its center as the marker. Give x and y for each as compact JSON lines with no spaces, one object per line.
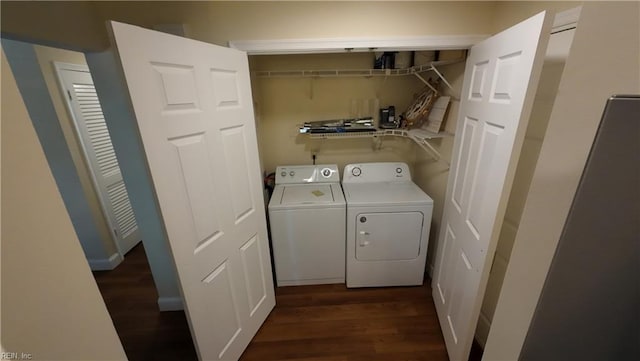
{"x":51,"y":306}
{"x":586,"y":84}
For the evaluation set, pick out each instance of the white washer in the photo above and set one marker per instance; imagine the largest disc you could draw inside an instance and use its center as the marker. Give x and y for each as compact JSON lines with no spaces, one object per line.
{"x":307,"y":217}
{"x":388,"y":222}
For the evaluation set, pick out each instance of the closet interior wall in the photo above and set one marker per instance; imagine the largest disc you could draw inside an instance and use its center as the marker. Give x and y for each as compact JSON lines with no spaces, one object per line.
{"x":282,"y":104}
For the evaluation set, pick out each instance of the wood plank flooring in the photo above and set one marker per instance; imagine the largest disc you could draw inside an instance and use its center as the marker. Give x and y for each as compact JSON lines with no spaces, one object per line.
{"x":333,"y":323}
{"x":310,"y":323}
{"x":132,"y":300}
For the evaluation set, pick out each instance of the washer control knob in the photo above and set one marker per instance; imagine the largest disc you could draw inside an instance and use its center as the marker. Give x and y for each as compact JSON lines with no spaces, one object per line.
{"x":326,"y":172}
{"x":363,"y":219}
{"x":356,"y":171}
{"x":398,"y":170}
{"x":292,"y":173}
{"x":283,"y":174}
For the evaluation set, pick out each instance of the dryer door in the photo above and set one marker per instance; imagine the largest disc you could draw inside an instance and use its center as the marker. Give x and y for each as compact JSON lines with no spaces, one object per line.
{"x":388,"y":236}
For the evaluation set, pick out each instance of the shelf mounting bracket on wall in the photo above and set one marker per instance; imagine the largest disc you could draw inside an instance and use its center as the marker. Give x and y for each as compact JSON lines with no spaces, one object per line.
{"x":426,"y":83}
{"x":439,"y":74}
{"x":417,"y":70}
{"x":421,"y":138}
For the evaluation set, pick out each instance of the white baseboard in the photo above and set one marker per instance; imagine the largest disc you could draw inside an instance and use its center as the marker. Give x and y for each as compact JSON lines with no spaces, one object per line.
{"x":105,"y":264}
{"x":170,"y":304}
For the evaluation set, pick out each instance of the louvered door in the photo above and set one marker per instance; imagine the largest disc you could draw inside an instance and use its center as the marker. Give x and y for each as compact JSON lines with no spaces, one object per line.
{"x":86,"y":112}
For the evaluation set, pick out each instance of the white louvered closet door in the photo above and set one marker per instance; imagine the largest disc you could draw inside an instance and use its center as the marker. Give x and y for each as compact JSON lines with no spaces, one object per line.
{"x":85,"y":109}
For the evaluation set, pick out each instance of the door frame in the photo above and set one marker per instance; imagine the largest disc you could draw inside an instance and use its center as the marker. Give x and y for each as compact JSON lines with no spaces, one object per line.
{"x":346,"y":45}
{"x":563,"y":20}
{"x":59,"y":68}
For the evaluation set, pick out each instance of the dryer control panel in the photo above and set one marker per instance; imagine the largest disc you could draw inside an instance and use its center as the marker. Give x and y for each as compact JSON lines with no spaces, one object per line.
{"x":301,"y":174}
{"x":376,"y":172}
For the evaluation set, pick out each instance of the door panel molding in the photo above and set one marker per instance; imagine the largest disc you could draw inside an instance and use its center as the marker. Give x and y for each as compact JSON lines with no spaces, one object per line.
{"x":499,"y":86}
{"x":198,"y":131}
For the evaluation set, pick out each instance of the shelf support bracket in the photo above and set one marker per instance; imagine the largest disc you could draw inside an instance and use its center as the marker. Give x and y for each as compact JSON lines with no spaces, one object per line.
{"x":424,"y":144}
{"x":439,"y":74}
{"x":425,"y":82}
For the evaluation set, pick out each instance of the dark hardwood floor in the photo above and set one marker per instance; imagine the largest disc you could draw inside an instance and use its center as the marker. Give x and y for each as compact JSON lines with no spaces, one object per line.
{"x":311,"y":323}
{"x":331,"y":323}
{"x":132,"y":300}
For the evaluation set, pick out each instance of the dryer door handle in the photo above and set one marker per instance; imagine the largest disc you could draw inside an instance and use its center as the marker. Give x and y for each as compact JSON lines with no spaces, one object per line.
{"x":363,"y":239}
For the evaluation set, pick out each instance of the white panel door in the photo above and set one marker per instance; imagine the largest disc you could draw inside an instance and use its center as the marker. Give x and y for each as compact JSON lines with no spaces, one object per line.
{"x":194,"y":110}
{"x":501,"y":77}
{"x":84,"y":106}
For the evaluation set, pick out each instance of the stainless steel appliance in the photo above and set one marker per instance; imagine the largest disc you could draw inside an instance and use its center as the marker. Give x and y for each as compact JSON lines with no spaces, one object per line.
{"x":588,"y":309}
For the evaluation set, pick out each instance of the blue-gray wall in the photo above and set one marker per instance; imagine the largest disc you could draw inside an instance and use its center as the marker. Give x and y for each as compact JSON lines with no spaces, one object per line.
{"x":24,"y":64}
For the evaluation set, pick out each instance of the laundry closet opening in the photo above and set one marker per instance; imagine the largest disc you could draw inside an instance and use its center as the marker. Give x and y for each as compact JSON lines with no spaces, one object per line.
{"x":290,"y":90}
{"x":293,"y":89}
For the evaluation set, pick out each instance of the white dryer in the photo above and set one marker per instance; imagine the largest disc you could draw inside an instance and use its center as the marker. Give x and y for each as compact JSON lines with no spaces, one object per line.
{"x":388,"y":222}
{"x":307,"y":217}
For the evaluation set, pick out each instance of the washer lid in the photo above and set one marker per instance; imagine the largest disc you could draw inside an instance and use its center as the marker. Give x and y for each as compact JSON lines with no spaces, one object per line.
{"x":316,"y":193}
